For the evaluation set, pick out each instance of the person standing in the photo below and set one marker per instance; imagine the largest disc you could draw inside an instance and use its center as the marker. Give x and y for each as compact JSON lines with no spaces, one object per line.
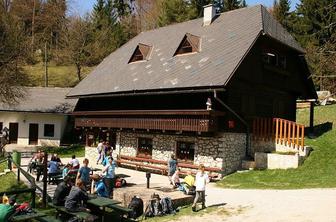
{"x":172,"y":165}
{"x":201,"y":180}
{"x":109,"y":178}
{"x":84,"y":173}
{"x":101,"y":151}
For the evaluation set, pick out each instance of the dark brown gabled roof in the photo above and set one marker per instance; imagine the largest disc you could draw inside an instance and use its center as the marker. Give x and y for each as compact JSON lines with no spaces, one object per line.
{"x":223,"y":45}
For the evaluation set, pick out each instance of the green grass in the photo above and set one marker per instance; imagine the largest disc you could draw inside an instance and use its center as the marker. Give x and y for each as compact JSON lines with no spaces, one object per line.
{"x":187,"y":212}
{"x":318,"y":170}
{"x":66,"y":152}
{"x":58,"y":76}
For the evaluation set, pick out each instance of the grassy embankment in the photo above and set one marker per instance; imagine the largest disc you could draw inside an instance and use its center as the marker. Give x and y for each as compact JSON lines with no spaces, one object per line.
{"x":58,"y":76}
{"x":318,"y":170}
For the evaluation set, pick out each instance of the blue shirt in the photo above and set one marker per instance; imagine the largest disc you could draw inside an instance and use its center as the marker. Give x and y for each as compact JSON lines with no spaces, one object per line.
{"x":101,"y":189}
{"x":105,"y":161}
{"x":65,"y":172}
{"x":84,"y":173}
{"x":53,"y":167}
{"x":110,"y":172}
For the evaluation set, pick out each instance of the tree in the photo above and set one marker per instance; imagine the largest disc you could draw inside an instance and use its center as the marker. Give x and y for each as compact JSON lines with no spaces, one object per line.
{"x":232,"y":4}
{"x":315,"y":28}
{"x":281,"y":12}
{"x":78,"y":43}
{"x":12,"y":54}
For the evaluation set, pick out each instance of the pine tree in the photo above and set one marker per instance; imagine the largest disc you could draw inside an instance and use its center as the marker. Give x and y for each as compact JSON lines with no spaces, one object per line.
{"x":243,"y":4}
{"x":175,"y":11}
{"x":232,"y":5}
{"x":281,"y":12}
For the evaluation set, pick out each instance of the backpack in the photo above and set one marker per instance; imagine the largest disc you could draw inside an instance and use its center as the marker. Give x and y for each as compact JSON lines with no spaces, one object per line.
{"x":120,"y":182}
{"x":5,"y":212}
{"x":167,"y":206}
{"x":136,"y":205}
{"x":154,"y":207}
{"x":23,"y":208}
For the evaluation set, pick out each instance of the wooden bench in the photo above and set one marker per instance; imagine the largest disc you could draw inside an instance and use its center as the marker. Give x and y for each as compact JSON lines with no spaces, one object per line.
{"x":213,"y":171}
{"x":48,"y":219}
{"x":138,"y":166}
{"x":81,"y":215}
{"x":26,"y":217}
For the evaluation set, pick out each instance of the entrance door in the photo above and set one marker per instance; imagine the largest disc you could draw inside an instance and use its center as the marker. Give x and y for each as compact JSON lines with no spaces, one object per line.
{"x":33,"y":133}
{"x":13,"y":132}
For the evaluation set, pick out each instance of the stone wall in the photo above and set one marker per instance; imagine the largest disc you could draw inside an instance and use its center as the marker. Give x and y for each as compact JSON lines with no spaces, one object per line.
{"x":225,"y":150}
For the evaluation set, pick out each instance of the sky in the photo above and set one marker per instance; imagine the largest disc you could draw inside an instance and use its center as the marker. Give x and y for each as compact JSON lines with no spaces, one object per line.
{"x":83,"y":6}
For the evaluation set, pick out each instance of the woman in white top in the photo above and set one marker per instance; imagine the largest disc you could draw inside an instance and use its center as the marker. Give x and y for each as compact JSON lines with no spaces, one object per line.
{"x":201,"y":180}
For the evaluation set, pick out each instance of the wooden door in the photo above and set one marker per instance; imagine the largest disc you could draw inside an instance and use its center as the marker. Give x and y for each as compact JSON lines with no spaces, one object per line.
{"x":33,"y":133}
{"x":13,"y":132}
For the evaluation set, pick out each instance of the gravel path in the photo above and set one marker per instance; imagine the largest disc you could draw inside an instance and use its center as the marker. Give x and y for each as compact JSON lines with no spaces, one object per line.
{"x":305,"y":205}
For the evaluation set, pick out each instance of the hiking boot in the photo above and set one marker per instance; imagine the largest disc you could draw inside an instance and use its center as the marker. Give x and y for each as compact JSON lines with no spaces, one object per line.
{"x":193,"y":208}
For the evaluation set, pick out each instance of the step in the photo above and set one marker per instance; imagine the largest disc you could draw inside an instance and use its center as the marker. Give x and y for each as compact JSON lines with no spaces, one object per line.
{"x":248,"y":164}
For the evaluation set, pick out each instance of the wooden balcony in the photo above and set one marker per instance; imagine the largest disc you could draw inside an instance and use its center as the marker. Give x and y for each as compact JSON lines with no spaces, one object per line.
{"x":170,"y":120}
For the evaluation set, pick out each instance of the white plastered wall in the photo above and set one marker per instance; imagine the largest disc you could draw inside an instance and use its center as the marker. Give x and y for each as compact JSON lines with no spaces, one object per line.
{"x":25,"y":118}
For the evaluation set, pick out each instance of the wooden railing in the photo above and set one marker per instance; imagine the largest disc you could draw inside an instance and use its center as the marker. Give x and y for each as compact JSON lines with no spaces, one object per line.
{"x":284,"y":132}
{"x":176,"y":124}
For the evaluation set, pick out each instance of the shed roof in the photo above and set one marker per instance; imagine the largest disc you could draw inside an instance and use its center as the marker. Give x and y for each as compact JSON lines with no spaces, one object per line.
{"x":224,"y":44}
{"x":42,"y":100}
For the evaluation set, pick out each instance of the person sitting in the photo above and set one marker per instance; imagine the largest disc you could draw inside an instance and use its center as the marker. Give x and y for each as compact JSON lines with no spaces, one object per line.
{"x":176,"y":178}
{"x":74,"y":162}
{"x":189,"y":183}
{"x":52,"y":168}
{"x":99,"y":187}
{"x":62,"y":190}
{"x":76,"y":198}
{"x":84,"y":173}
{"x":66,"y":170}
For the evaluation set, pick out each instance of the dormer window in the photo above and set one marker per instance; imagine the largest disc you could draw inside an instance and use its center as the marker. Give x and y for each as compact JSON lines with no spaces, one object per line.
{"x":141,"y":53}
{"x":189,"y":44}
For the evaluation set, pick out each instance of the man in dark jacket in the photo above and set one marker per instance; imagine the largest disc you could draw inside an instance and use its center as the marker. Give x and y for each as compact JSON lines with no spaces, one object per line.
{"x":62,"y":190}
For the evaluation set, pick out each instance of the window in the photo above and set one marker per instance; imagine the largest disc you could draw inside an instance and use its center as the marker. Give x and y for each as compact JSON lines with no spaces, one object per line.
{"x":274,"y":60}
{"x":145,"y":146}
{"x":185,"y":151}
{"x":140,"y":53}
{"x":49,"y":130}
{"x":190,"y":43}
{"x":282,"y":62}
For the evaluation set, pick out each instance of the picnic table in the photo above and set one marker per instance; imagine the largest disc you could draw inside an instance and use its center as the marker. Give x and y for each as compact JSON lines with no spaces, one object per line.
{"x":102,"y":202}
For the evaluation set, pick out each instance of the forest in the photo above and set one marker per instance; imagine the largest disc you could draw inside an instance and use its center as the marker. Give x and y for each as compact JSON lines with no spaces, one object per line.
{"x":41,"y":36}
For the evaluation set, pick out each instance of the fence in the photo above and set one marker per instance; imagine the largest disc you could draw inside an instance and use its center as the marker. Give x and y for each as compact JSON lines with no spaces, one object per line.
{"x":31,"y":189}
{"x":281,"y":131}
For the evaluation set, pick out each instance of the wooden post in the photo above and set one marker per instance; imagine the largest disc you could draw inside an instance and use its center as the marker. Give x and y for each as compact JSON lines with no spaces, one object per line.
{"x":311,"y":118}
{"x":45,"y":177}
{"x":18,"y":174}
{"x":33,"y":196}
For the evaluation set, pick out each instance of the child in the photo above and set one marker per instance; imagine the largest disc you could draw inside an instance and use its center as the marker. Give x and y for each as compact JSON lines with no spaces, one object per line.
{"x":84,"y":173}
{"x":176,"y":178}
{"x":77,"y":195}
{"x":201,"y":180}
{"x":99,"y":186}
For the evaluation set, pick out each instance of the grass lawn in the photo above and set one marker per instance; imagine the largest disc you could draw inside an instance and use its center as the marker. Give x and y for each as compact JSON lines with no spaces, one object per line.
{"x":58,"y":76}
{"x":318,"y":170}
{"x":67,"y":152}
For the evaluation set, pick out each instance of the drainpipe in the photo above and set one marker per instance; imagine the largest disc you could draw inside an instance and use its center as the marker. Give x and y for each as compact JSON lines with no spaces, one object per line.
{"x":241,"y":120}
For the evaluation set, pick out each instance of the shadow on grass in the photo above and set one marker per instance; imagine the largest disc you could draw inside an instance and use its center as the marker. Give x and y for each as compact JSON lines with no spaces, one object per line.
{"x":320,"y":129}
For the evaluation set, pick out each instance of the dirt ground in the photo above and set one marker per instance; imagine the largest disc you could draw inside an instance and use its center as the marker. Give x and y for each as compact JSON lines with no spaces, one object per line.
{"x":305,"y":205}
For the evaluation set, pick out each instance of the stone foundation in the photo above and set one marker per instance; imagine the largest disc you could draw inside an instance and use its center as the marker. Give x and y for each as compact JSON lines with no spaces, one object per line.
{"x":224,"y":150}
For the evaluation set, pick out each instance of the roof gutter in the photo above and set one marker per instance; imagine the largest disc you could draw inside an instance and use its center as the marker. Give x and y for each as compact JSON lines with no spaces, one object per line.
{"x":238,"y":117}
{"x":141,"y":93}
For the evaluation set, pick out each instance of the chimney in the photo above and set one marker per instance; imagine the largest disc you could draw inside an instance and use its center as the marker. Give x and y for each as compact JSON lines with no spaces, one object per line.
{"x":209,"y":12}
